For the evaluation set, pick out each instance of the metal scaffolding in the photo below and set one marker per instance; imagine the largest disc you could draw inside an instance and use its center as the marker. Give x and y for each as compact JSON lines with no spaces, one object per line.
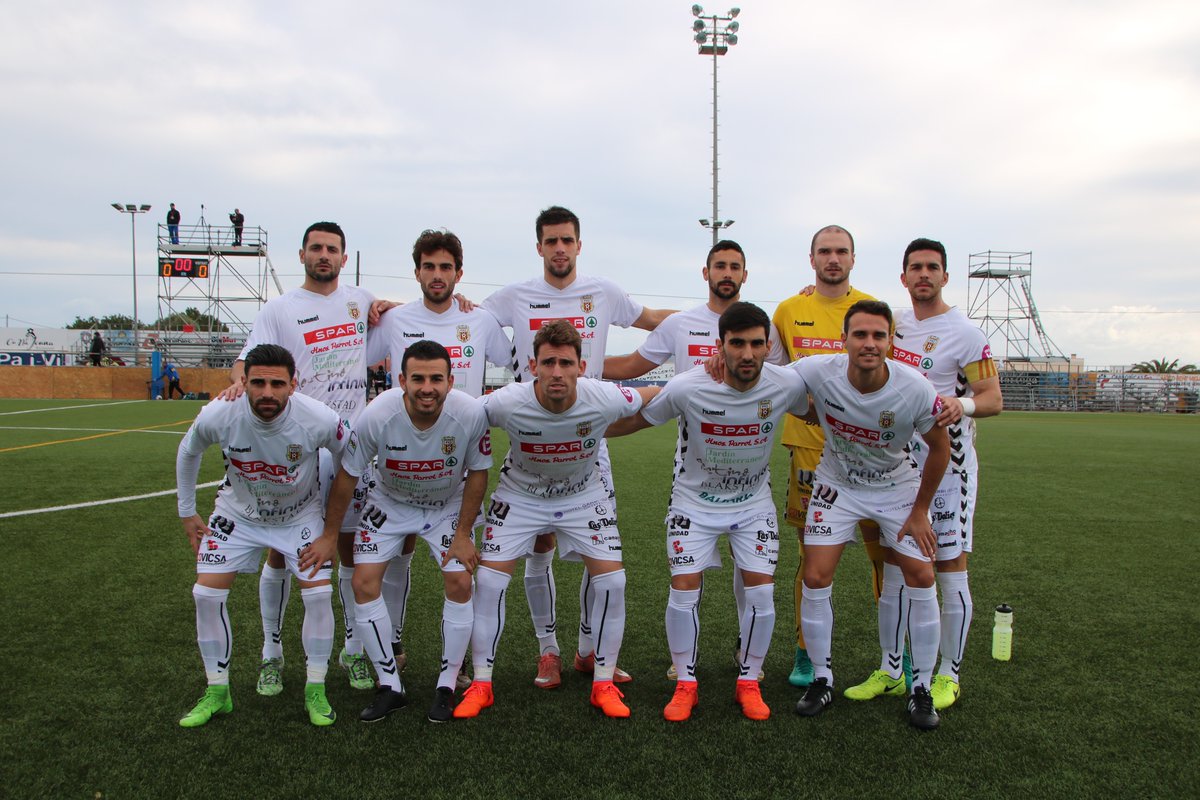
{"x":1000,"y":299}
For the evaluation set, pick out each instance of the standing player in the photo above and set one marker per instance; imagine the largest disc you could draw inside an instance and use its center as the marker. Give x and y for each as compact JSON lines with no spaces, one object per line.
{"x":808,"y":325}
{"x":271,"y":498}
{"x":324,"y":326}
{"x":591,"y":305}
{"x":870,"y":411}
{"x":433,"y":456}
{"x":472,"y":338}
{"x":549,"y":482}
{"x":722,"y":486}
{"x":953,"y":354}
{"x":689,"y":337}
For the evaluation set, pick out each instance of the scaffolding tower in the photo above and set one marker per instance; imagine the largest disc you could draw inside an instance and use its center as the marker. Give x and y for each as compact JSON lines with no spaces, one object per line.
{"x":1000,"y":299}
{"x":224,"y":277}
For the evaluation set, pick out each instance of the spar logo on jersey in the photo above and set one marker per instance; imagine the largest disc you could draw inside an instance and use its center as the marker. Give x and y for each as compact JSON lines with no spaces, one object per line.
{"x":586,"y":305}
{"x":817,"y":343}
{"x":448,"y":445}
{"x":329,"y":334}
{"x":463,"y":332}
{"x":887,"y":419}
{"x":552,"y":448}
{"x":256,"y":467}
{"x":851,"y":430}
{"x":703,"y":350}
{"x":905,"y":357}
{"x":764,"y":409}
{"x":579,"y":323}
{"x":931,"y":344}
{"x":293,"y":452}
{"x":429,"y":465}
{"x":456,"y":352}
{"x":733,"y":431}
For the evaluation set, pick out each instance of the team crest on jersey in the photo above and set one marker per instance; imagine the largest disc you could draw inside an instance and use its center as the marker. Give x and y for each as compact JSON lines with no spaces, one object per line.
{"x":931,"y":344}
{"x":464,"y":333}
{"x":293,"y":453}
{"x":583,"y":429}
{"x":585,"y":304}
{"x":447,"y":444}
{"x":352,"y":309}
{"x":887,"y":419}
{"x":764,"y":409}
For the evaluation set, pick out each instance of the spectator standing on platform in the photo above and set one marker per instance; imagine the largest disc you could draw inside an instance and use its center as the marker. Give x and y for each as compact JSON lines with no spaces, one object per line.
{"x":173,"y":224}
{"x":97,"y":349}
{"x":239,"y":220}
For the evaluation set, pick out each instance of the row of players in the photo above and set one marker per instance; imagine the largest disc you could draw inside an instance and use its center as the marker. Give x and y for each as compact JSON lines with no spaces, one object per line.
{"x":322,"y":325}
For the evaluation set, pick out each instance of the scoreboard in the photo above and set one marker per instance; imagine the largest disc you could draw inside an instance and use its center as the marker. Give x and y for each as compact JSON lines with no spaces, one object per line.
{"x":183,"y":267}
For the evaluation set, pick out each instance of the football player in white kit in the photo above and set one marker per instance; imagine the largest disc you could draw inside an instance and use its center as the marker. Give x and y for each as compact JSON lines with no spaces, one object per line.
{"x":550,"y":482}
{"x":433,"y":454}
{"x":690,"y":338}
{"x":722,"y":486}
{"x":870,"y":410}
{"x":591,"y":305}
{"x":270,"y":440}
{"x":954,"y":355}
{"x":472,"y":338}
{"x":324,"y":326}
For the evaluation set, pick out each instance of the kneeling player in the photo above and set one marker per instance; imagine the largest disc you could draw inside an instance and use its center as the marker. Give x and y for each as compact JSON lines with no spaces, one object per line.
{"x":869,"y":411}
{"x":271,"y":498}
{"x":433,"y":456}
{"x":722,"y":486}
{"x":549,"y":483}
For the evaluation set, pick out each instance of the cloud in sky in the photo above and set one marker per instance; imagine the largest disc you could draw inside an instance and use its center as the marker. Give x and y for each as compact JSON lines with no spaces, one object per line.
{"x":1065,"y":128}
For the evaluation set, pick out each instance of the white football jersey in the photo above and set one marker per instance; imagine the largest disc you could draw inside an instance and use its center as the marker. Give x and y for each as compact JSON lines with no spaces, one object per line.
{"x":327,"y":335}
{"x":271,"y":472}
{"x":419,"y":468}
{"x":952,"y":353}
{"x":691,"y":337}
{"x":590,"y":304}
{"x":723,"y":456}
{"x":553,"y":456}
{"x":866,"y":434}
{"x":472,"y":338}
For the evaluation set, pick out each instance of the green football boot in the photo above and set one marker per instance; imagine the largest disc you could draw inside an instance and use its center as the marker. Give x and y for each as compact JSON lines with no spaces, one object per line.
{"x":879,"y":683}
{"x":802,"y":669}
{"x":945,"y":691}
{"x":270,"y":677}
{"x":216,"y":700}
{"x":319,"y":711}
{"x":359,"y":669}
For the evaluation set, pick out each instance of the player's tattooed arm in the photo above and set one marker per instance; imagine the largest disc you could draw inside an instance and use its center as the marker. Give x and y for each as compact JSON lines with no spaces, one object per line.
{"x":196,"y":530}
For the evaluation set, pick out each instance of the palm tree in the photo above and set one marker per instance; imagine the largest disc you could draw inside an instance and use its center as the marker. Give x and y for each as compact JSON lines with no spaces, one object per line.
{"x":1162,"y":366}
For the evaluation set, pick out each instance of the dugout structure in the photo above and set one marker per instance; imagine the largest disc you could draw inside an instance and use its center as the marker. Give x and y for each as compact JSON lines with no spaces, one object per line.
{"x":226,"y":282}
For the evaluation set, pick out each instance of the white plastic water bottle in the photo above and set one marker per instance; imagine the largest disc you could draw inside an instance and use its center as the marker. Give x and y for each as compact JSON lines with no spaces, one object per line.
{"x":1002,"y":633}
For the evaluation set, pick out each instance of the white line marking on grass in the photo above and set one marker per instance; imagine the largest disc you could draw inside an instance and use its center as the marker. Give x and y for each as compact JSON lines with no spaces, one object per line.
{"x":70,"y":408}
{"x":92,"y":503}
{"x":94,"y":430}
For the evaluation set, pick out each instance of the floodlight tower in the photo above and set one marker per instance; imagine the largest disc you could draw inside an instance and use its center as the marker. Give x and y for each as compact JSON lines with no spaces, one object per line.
{"x":132,"y":209}
{"x":715,"y":34}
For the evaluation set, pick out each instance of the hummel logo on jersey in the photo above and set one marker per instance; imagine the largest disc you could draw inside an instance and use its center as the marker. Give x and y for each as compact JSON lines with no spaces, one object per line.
{"x":413,"y":334}
{"x":233,"y":449}
{"x":401,"y":448}
{"x":804,"y":323}
{"x":712,"y":413}
{"x":529,"y":433}
{"x":539,"y":305}
{"x":700,"y":333}
{"x":307,"y":320}
{"x":829,"y":402}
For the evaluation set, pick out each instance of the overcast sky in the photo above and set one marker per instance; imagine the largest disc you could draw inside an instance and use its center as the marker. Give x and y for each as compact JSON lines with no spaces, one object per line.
{"x":1067,"y":128}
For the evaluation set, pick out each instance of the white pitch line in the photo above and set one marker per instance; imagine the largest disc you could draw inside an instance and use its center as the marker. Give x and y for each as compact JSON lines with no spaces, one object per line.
{"x":86,"y":430}
{"x":99,"y":502}
{"x":70,"y":408}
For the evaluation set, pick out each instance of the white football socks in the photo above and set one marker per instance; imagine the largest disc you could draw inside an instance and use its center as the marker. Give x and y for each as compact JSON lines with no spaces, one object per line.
{"x":491,"y":587}
{"x":274,"y":590}
{"x":816,"y":619}
{"x":317,"y":632}
{"x":213,"y":633}
{"x":957,"y":609}
{"x":683,"y":631}
{"x":539,"y":592}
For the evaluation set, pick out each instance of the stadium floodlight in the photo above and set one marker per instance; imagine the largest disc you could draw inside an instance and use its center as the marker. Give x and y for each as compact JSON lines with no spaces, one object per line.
{"x":133,"y":209}
{"x":715,"y":34}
